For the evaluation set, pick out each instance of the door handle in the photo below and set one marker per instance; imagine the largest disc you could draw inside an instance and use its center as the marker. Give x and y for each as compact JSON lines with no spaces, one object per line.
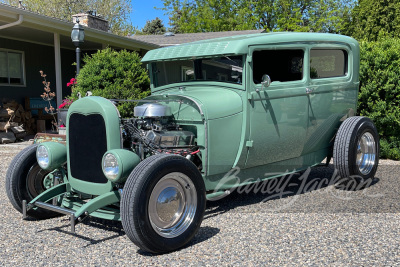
{"x":309,"y":90}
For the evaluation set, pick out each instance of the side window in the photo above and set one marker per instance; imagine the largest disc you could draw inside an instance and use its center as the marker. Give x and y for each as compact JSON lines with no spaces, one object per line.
{"x":11,"y":68}
{"x":280,"y":65}
{"x":327,"y":63}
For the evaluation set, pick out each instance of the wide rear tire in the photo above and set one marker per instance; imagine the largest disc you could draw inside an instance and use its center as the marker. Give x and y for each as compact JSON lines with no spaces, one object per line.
{"x":356,"y":150}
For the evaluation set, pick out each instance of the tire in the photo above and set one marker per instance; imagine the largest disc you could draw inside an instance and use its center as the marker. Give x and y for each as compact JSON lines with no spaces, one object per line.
{"x":152,"y":224}
{"x":356,"y":150}
{"x":24,"y":181}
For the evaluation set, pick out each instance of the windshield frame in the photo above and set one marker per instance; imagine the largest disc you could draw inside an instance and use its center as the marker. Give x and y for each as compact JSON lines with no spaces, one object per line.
{"x":240,"y":86}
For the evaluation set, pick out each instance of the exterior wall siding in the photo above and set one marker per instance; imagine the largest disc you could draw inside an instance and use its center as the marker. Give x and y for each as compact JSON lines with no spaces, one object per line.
{"x":37,"y":57}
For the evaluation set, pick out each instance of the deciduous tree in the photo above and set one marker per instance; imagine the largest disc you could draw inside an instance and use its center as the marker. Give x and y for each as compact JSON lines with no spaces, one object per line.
{"x":271,"y":15}
{"x":115,"y":11}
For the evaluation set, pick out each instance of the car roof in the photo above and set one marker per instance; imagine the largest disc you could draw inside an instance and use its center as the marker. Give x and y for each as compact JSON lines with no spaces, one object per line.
{"x":239,"y":45}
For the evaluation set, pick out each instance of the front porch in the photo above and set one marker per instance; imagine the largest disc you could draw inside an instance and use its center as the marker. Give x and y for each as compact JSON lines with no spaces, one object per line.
{"x":30,"y":42}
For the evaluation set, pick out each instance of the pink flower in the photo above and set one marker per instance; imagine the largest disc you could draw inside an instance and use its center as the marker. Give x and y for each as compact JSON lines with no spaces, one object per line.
{"x":66,"y":103}
{"x":71,"y":82}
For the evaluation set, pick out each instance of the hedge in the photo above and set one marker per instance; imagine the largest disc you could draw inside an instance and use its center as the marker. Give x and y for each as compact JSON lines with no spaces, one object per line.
{"x":379,"y":96}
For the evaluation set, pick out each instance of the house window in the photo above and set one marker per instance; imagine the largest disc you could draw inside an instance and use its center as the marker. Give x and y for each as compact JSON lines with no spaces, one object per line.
{"x":327,"y":63}
{"x":11,"y":68}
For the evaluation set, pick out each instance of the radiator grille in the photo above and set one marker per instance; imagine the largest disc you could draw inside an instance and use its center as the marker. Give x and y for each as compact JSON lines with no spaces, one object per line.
{"x":87,"y":145}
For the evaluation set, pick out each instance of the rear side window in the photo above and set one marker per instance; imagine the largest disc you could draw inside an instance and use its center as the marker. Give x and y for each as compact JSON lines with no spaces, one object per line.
{"x":280,"y":65}
{"x":327,"y":63}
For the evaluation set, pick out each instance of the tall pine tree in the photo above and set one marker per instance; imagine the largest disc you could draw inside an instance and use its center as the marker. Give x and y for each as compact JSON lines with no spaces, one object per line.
{"x":374,"y":19}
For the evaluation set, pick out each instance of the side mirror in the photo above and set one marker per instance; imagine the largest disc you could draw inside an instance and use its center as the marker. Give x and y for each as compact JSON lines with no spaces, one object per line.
{"x":265,"y":81}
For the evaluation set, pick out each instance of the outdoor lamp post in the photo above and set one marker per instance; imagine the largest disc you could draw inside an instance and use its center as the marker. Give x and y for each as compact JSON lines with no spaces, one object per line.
{"x":77,"y":36}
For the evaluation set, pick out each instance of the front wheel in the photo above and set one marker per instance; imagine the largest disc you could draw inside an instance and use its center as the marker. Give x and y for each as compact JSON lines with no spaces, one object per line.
{"x":356,"y":149}
{"x":25,"y":180}
{"x":163,"y":203}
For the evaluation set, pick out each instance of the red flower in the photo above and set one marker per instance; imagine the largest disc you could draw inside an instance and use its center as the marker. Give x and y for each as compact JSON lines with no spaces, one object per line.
{"x":66,"y":103}
{"x":71,"y":82}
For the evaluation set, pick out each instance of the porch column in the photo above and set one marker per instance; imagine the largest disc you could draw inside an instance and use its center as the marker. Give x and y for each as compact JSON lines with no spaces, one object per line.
{"x":57,"y":56}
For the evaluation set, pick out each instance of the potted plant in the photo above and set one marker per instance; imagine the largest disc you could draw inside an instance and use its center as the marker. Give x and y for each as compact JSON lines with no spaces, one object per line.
{"x":63,"y":107}
{"x":62,"y":111}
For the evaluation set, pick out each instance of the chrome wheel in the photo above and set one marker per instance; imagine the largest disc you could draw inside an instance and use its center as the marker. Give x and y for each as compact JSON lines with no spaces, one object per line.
{"x":366,"y":153}
{"x":172,"y":205}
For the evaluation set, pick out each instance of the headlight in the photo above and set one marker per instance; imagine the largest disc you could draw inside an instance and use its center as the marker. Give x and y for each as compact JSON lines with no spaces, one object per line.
{"x":110,"y":166}
{"x":51,"y":155}
{"x":117,"y":164}
{"x":42,"y":156}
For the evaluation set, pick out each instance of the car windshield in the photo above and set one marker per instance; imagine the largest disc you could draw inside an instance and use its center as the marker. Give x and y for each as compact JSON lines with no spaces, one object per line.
{"x":227,"y":69}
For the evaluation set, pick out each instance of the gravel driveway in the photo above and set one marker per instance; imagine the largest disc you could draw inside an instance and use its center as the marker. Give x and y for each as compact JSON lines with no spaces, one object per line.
{"x":313,"y":223}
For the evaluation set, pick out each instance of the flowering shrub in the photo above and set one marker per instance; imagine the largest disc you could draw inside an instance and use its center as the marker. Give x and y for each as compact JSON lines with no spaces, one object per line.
{"x":66,"y":103}
{"x":71,"y":82}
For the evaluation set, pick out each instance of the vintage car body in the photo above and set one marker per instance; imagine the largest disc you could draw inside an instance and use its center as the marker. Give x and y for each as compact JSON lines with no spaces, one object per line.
{"x":263,"y":104}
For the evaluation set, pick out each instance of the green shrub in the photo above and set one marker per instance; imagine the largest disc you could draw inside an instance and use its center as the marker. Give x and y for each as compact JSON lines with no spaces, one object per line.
{"x":114,"y":75}
{"x":379,"y":97}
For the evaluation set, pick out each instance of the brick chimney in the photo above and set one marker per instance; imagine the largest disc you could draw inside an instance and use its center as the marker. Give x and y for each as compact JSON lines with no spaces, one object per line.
{"x":89,"y":19}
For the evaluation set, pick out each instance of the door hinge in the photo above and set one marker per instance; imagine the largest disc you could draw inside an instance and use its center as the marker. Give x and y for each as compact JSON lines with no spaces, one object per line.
{"x":249,"y":143}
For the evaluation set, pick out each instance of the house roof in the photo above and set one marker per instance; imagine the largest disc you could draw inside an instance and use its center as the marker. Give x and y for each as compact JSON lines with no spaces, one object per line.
{"x":40,"y":29}
{"x":171,"y":39}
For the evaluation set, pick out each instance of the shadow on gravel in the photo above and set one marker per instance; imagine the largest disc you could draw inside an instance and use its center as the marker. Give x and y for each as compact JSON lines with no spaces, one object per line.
{"x":314,"y":190}
{"x":204,"y":233}
{"x":111,"y":226}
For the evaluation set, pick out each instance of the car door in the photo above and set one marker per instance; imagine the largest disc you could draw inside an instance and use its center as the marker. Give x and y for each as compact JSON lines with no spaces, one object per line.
{"x":278,"y":114}
{"x":332,"y":94}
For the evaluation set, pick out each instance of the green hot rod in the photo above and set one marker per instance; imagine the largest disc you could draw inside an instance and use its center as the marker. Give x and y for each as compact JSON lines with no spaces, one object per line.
{"x":264,"y":104}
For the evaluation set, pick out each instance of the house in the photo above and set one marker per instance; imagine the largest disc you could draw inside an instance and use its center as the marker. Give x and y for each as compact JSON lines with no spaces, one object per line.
{"x":30,"y":42}
{"x":170,"y":39}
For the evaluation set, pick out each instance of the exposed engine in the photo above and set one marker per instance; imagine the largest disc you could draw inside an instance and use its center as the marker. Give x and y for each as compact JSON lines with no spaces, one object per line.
{"x":153,"y":131}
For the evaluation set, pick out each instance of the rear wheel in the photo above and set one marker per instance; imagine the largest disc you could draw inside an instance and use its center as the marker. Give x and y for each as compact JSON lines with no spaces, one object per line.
{"x":163,"y":203}
{"x":356,"y":149}
{"x":25,"y":180}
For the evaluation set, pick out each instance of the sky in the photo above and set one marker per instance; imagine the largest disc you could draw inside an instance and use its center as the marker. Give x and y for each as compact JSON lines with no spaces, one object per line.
{"x":143,"y":10}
